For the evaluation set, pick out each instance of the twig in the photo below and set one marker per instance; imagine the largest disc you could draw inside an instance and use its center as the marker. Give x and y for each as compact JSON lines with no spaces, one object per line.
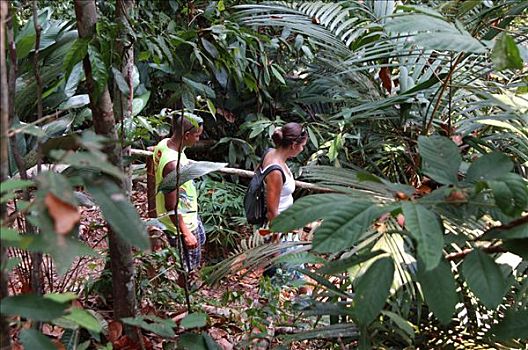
{"x":462,"y":254}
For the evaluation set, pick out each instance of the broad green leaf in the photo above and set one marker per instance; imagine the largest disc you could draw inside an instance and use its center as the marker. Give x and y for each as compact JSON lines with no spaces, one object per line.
{"x":25,"y":45}
{"x":278,"y":75}
{"x":84,"y":160}
{"x":346,"y":226}
{"x":505,"y":53}
{"x":221,"y":76}
{"x":139,"y":103}
{"x":503,"y":196}
{"x":345,"y":219}
{"x":342,"y":265}
{"x":426,"y":229}
{"x":441,"y":159}
{"x":77,"y":52}
{"x":211,"y":107}
{"x":63,"y":249}
{"x":188,"y":99}
{"x":372,"y":290}
{"x":9,"y":235}
{"x":194,"y":320}
{"x":76,"y":76}
{"x":484,"y":278}
{"x":191,"y":341}
{"x":58,"y":185}
{"x":439,"y":288}
{"x":309,"y":209}
{"x":84,"y":319}
{"x":419,"y":22}
{"x":76,"y":101}
{"x":33,"y":339}
{"x":15,"y":185}
{"x":514,"y":325}
{"x":119,"y":212}
{"x":448,"y":41}
{"x":203,"y":89}
{"x":61,"y":297}
{"x":519,"y":189}
{"x":99,"y":70}
{"x":489,"y":167}
{"x":189,"y":172}
{"x":122,"y":84}
{"x":31,"y":306}
{"x":160,"y":326}
{"x":313,"y":138}
{"x":209,"y":47}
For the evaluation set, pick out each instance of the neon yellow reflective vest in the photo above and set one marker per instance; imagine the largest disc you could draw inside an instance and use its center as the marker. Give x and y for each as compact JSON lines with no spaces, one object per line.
{"x":188,"y":203}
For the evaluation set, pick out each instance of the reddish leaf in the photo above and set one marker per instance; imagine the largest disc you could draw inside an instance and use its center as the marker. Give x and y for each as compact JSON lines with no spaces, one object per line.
{"x":115,"y":329}
{"x":385,"y":77}
{"x":64,"y":214}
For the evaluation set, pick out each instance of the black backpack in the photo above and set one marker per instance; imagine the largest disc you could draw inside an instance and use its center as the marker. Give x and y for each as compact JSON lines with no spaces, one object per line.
{"x":255,"y":198}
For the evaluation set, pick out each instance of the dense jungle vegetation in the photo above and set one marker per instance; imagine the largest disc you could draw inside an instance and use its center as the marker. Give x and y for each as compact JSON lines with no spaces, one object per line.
{"x":416,"y":112}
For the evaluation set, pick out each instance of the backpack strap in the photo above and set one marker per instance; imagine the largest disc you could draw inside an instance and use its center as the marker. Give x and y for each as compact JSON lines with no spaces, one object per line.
{"x":271,"y":168}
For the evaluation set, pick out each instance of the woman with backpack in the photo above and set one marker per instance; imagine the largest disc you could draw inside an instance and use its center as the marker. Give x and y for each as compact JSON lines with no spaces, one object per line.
{"x":289,"y":141}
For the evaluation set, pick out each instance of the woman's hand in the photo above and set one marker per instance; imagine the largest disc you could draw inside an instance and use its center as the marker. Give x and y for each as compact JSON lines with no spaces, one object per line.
{"x":190,"y":241}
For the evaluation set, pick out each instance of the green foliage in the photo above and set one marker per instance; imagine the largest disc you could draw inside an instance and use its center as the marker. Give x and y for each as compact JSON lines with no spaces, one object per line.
{"x":154,"y":324}
{"x":119,"y":212}
{"x":426,"y":229}
{"x":433,"y":221}
{"x":439,"y":289}
{"x":484,"y":278}
{"x":194,"y":320}
{"x":505,"y":53}
{"x":372,"y":290}
{"x":441,"y":159}
{"x":221,"y":210}
{"x":33,"y":339}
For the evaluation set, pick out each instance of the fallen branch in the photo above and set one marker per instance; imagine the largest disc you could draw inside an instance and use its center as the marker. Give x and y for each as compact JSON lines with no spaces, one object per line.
{"x":247,"y":173}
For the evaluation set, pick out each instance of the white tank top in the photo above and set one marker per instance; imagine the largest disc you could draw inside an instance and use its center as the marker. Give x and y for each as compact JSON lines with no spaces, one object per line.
{"x":288,"y":187}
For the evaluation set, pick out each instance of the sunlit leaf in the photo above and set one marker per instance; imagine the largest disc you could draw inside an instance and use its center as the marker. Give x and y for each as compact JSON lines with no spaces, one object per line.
{"x":484,"y":278}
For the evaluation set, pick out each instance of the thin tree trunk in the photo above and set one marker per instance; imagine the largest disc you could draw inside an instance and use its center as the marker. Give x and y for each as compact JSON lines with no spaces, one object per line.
{"x":121,"y":263}
{"x":123,"y":102}
{"x":36,"y":257}
{"x":4,"y":117}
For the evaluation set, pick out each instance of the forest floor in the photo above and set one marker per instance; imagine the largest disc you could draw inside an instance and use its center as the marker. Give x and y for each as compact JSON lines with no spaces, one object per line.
{"x":244,"y":310}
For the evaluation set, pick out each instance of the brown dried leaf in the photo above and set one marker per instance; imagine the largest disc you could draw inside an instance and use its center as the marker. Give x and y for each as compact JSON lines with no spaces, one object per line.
{"x":115,"y":329}
{"x":64,"y":214}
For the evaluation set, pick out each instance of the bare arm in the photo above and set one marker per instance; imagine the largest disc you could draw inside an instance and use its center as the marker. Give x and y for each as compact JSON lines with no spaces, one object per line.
{"x":170,"y":205}
{"x":273,"y":190}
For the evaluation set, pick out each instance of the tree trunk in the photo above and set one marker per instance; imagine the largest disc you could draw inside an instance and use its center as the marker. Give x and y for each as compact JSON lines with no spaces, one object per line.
{"x":121,"y":263}
{"x":125,"y":50}
{"x":4,"y":116}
